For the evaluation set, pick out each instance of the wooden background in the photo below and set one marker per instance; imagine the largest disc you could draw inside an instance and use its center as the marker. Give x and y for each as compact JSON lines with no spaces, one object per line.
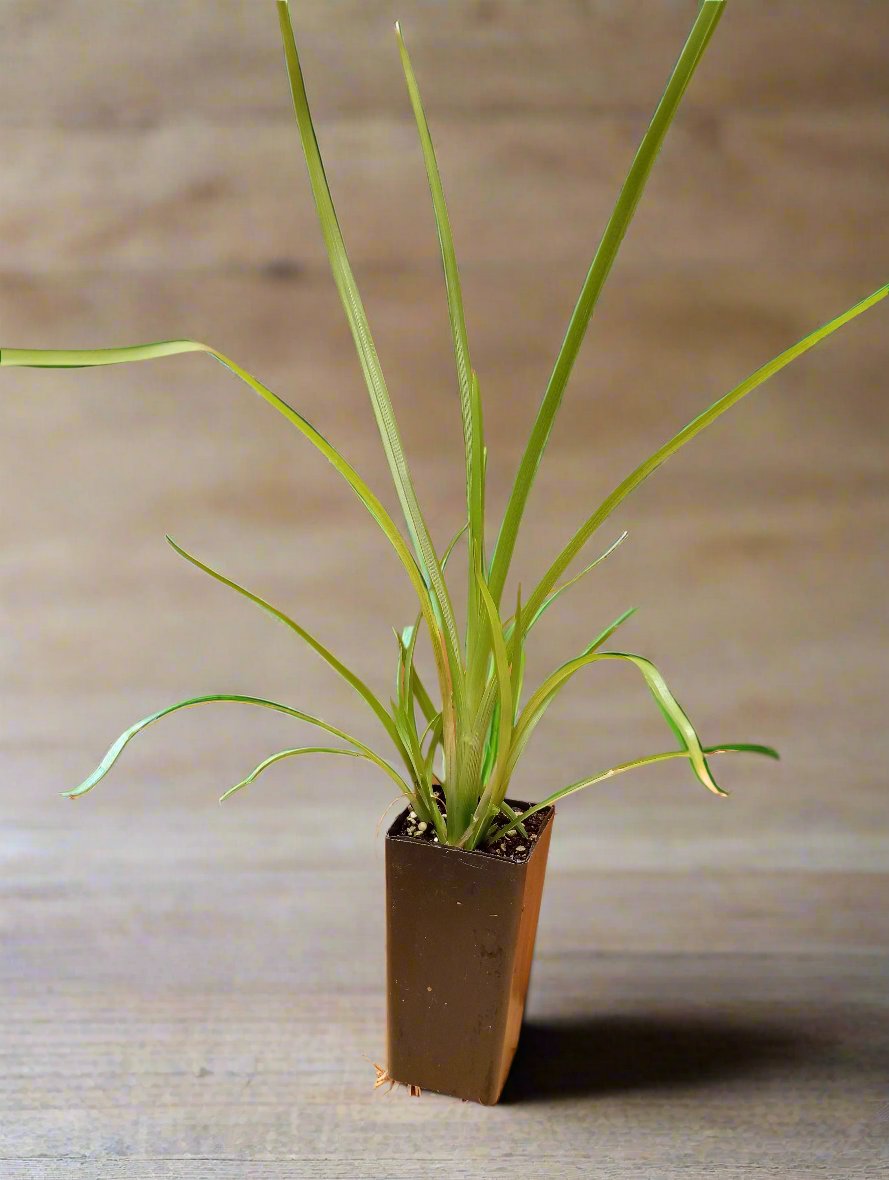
{"x":194,"y":991}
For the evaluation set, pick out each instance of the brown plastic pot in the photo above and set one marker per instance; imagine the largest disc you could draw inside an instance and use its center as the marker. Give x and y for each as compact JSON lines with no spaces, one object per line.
{"x":460,"y":935}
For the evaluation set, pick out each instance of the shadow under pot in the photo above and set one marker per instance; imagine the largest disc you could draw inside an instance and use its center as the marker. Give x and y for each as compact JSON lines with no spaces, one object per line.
{"x":460,"y":930}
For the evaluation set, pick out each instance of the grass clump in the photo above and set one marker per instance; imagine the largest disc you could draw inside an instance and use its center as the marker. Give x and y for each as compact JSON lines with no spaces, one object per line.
{"x":470,"y":732}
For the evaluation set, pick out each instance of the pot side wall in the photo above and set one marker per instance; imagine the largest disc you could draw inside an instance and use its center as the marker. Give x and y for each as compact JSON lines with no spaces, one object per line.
{"x":460,"y":932}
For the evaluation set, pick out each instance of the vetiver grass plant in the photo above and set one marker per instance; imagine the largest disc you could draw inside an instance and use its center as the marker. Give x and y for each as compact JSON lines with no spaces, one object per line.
{"x":454,"y":752}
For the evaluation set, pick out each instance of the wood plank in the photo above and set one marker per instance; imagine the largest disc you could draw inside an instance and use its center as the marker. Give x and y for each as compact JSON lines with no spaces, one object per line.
{"x":171,"y":1077}
{"x":149,"y":62}
{"x":743,"y":188}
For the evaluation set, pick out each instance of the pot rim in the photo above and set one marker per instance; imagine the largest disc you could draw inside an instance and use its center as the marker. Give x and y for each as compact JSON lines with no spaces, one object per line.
{"x":516,"y":804}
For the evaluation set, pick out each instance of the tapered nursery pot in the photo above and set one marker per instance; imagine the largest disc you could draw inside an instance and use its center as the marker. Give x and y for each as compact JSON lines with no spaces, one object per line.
{"x":460,"y":936}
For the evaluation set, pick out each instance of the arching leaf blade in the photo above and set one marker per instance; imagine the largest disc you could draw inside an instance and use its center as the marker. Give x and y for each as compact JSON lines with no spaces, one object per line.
{"x":338,"y":666}
{"x":692,"y":430}
{"x":545,"y":694}
{"x":279,"y":757}
{"x":127,"y":736}
{"x":672,"y":711}
{"x":635,"y":763}
{"x":88,"y":358}
{"x":299,"y":750}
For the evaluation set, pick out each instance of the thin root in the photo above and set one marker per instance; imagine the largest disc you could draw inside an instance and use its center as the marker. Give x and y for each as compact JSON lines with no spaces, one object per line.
{"x":384,"y":1078}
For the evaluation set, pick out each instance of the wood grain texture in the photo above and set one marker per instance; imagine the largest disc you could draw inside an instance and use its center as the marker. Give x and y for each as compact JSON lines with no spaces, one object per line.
{"x":137,"y":64}
{"x":192,"y":992}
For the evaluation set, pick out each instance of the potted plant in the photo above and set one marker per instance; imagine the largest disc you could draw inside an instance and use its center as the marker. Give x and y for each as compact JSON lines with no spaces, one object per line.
{"x":464,"y":863}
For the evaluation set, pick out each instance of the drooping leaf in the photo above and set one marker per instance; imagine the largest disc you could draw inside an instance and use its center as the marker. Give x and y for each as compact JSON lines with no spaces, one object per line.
{"x":523,"y":731}
{"x":685,"y":435}
{"x":338,"y":666}
{"x":88,"y":358}
{"x":651,"y":759}
{"x":46,"y":358}
{"x":280,"y":756}
{"x":127,"y":736}
{"x":672,"y":711}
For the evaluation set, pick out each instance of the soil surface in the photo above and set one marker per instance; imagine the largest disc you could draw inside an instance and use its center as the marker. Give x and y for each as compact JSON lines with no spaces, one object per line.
{"x":515,"y":846}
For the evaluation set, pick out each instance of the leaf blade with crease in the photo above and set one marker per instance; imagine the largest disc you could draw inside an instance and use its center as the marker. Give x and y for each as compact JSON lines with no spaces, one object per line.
{"x":470,"y":404}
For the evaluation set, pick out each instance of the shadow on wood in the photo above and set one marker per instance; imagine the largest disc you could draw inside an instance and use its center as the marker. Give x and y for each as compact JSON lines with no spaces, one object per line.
{"x":609,"y":1054}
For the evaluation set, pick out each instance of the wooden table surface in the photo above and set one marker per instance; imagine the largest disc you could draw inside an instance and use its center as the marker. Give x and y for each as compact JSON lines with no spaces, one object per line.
{"x":195,"y":991}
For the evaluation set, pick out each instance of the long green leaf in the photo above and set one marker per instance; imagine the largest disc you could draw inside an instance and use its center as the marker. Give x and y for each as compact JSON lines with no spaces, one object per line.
{"x":80,"y":358}
{"x":698,"y":39}
{"x":544,"y":696}
{"x":127,"y":736}
{"x":433,"y":729}
{"x":559,"y":591}
{"x":409,"y":639}
{"x":516,"y":649}
{"x":367,"y":354}
{"x":338,"y":666}
{"x":470,"y":403}
{"x":421,"y":694}
{"x":87,"y":358}
{"x":728,"y":748}
{"x":672,"y":711}
{"x":470,"y":399}
{"x":685,"y":435}
{"x":496,"y":785}
{"x":282,"y":754}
